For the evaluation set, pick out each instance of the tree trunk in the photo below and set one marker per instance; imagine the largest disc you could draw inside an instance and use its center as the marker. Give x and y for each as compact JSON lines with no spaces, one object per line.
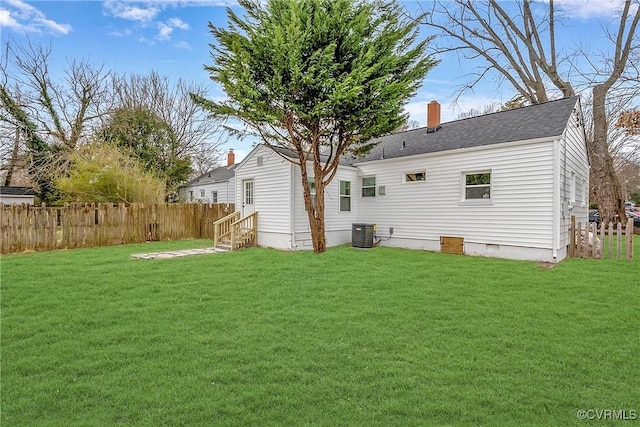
{"x":316,"y":222}
{"x":13,"y":161}
{"x":315,"y":214}
{"x":606,"y":186}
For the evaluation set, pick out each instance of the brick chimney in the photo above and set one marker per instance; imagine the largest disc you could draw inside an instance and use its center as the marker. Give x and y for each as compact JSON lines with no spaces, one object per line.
{"x":231,"y":158}
{"x":433,"y":115}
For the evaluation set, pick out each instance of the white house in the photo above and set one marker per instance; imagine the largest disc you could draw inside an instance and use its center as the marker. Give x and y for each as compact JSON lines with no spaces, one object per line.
{"x":272,"y":185}
{"x":216,"y":186}
{"x":503,"y":185}
{"x":17,"y":195}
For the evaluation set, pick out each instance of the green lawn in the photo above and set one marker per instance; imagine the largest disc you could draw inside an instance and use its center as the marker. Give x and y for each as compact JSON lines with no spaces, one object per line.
{"x":351,"y":337}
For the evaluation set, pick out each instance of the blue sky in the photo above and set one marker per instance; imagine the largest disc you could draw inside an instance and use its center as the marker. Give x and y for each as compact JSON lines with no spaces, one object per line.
{"x":172,"y":37}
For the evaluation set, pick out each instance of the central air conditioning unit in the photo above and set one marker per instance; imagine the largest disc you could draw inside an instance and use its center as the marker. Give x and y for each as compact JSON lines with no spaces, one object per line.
{"x":362,"y":235}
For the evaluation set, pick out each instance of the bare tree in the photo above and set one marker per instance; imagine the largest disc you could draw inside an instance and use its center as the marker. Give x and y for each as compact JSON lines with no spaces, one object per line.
{"x":515,"y":102}
{"x":519,"y":44}
{"x":53,"y":115}
{"x":199,"y":135}
{"x":480,"y":111}
{"x":12,"y":149}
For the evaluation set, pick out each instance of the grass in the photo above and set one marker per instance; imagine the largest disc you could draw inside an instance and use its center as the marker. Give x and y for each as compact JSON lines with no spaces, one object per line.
{"x":350,"y":337}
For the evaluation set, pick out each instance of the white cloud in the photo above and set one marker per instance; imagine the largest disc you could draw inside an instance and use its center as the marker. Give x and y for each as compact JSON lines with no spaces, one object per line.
{"x":417,"y":112}
{"x":22,"y":16}
{"x":585,"y":9}
{"x":178,"y":23}
{"x":146,"y":15}
{"x":54,"y":26}
{"x":146,"y":41}
{"x":131,"y":12}
{"x":183,"y":45}
{"x":450,"y":109}
{"x":165,"y":29}
{"x":117,"y":33}
{"x":6,"y":20}
{"x":22,"y":6}
{"x":467,"y":103}
{"x":194,"y":3}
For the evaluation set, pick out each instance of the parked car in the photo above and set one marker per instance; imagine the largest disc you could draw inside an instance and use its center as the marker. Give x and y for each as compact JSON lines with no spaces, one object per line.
{"x":635,"y":216}
{"x":594,"y":216}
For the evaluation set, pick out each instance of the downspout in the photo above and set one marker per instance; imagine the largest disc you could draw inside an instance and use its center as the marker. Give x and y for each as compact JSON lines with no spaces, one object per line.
{"x":292,"y":206}
{"x":557,"y":208}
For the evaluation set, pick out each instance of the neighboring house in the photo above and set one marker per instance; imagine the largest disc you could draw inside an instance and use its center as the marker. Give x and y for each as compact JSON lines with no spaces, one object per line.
{"x":506,"y":184}
{"x":216,"y":186}
{"x":10,"y":195}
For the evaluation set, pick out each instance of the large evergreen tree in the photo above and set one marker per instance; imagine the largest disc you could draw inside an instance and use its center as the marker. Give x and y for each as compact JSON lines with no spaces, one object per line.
{"x":318,"y":77}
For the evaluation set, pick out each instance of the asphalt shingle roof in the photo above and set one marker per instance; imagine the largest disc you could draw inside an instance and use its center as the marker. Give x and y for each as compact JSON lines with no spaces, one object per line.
{"x":344,"y":160}
{"x":535,"y":121}
{"x":17,"y":191}
{"x":219,"y":174}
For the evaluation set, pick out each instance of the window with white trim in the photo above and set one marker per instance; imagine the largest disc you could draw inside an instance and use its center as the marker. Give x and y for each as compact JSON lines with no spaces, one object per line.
{"x":417,"y":176}
{"x":369,"y":186}
{"x":202,"y":194}
{"x":345,"y":196}
{"x":477,"y":185}
{"x":214,"y":197}
{"x":248,"y":192}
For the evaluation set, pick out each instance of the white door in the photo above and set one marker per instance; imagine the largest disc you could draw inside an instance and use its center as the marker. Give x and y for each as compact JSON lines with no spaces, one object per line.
{"x":247,"y":197}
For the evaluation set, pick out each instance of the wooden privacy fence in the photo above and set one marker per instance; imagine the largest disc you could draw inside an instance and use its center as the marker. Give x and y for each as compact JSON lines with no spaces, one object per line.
{"x":611,"y":240}
{"x":40,"y":228}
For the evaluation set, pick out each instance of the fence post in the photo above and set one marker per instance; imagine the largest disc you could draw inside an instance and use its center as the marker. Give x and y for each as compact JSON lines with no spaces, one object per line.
{"x":629,"y":239}
{"x":572,"y":237}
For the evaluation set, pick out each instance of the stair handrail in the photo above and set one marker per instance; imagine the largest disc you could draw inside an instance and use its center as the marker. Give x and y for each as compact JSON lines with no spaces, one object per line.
{"x":223,"y":227}
{"x":249,"y":235}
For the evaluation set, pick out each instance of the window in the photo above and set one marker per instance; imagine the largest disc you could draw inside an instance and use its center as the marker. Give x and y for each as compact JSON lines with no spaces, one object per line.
{"x":572,"y":189}
{"x":312,"y":190}
{"x":214,"y":197}
{"x":191,"y":195}
{"x":585,"y":192}
{"x":477,"y":185}
{"x":345,"y":196}
{"x":248,"y":192}
{"x":202,"y":194}
{"x":415,"y":176}
{"x":369,"y":186}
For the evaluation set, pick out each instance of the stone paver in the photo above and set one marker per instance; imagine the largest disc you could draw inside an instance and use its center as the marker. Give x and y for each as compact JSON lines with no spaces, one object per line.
{"x":175,"y":254}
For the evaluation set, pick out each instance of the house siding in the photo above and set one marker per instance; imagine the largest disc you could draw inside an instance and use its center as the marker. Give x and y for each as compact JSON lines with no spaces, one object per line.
{"x":9,"y":199}
{"x":337,"y":224}
{"x":519,"y":213}
{"x":272,"y":195}
{"x":225,"y":189}
{"x":574,"y":162}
